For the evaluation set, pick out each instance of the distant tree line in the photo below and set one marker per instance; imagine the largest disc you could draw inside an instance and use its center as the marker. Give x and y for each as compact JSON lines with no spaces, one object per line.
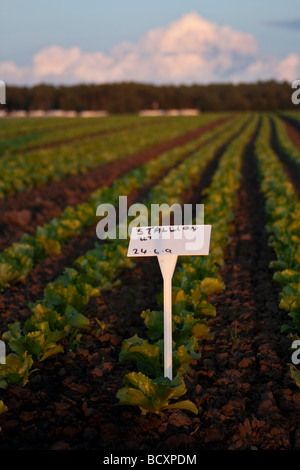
{"x":131,"y":97}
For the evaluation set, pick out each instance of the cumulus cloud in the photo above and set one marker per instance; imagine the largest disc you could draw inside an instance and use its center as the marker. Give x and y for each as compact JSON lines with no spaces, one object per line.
{"x":289,"y":68}
{"x":189,"y":50}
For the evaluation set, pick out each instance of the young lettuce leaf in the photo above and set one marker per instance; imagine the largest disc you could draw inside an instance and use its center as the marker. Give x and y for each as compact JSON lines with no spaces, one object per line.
{"x":153,"y":396}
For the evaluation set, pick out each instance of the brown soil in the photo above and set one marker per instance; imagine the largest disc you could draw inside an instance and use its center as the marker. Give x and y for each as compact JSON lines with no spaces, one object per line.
{"x":24,"y":211}
{"x":241,"y":385}
{"x":293,"y":130}
{"x":291,"y":168}
{"x":14,"y":300}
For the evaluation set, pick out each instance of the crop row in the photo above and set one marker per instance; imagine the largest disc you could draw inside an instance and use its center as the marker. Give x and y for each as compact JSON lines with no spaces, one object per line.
{"x":56,"y":318}
{"x":195,"y":279}
{"x":283,"y":226}
{"x":23,"y":171}
{"x":295,"y":115}
{"x":14,"y":127}
{"x":17,"y":261}
{"x":285,"y":144}
{"x":37,"y":134}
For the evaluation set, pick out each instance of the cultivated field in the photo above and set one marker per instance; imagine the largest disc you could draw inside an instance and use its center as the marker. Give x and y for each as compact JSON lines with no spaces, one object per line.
{"x":83,"y":323}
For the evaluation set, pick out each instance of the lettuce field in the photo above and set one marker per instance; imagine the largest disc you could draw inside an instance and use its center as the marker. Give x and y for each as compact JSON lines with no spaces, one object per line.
{"x":82,"y":324}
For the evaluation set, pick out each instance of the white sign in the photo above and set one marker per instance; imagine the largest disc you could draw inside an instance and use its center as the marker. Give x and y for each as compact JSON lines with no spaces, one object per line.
{"x":167,"y":242}
{"x":172,"y":240}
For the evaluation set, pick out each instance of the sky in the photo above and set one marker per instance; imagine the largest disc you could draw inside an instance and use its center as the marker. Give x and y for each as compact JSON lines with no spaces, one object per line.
{"x":158,"y":41}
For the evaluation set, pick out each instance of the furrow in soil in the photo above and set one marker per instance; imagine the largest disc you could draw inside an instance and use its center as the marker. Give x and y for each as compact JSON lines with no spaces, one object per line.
{"x":291,"y":168}
{"x":14,"y":300}
{"x":23,"y":212}
{"x":247,"y":397}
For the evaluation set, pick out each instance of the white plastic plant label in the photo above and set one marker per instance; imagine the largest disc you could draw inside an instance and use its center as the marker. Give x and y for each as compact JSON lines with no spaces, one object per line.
{"x":167,"y":243}
{"x":170,"y":240}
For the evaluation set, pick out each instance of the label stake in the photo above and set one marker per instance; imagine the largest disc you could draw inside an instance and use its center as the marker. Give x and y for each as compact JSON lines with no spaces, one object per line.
{"x":166,"y":243}
{"x":167,"y":265}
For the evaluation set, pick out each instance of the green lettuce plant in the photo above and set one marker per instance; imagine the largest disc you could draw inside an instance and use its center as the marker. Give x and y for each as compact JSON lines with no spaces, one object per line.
{"x":154,"y":396}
